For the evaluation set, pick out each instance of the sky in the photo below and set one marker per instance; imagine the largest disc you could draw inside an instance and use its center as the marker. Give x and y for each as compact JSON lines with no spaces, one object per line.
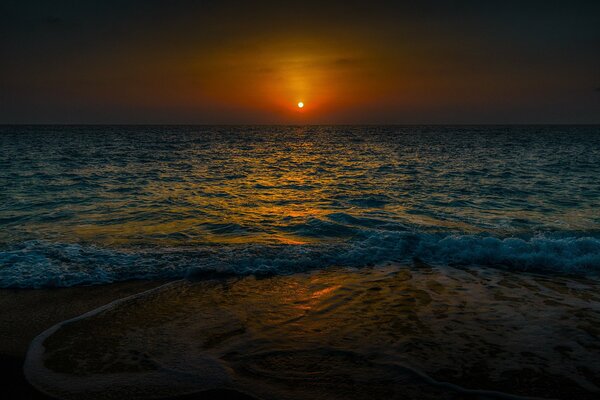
{"x":251,"y":62}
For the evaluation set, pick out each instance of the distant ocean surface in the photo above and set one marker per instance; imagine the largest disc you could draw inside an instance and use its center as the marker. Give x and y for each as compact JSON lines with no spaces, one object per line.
{"x":98,"y":204}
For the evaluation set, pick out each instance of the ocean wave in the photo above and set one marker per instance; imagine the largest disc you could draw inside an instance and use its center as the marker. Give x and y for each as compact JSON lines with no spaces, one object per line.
{"x":35,"y":264}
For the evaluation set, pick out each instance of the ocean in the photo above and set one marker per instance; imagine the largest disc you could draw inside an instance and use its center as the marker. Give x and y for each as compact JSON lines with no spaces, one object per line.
{"x":84,"y":205}
{"x":304,"y":262}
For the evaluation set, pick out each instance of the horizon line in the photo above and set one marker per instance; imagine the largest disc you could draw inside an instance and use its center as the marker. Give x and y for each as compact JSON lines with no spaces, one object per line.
{"x":315,"y":124}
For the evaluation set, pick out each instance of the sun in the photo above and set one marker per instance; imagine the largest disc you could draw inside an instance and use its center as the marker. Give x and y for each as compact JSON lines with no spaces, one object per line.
{"x":300,"y":104}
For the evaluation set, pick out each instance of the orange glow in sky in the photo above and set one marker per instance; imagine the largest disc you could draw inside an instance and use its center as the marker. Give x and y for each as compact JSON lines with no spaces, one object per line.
{"x":197,"y":62}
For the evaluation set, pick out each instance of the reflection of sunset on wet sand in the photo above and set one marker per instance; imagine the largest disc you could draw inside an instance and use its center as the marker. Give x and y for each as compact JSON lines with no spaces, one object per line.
{"x":347,"y":334}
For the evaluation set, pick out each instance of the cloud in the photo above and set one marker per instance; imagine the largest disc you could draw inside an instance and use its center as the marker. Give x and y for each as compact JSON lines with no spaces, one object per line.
{"x":343,"y":61}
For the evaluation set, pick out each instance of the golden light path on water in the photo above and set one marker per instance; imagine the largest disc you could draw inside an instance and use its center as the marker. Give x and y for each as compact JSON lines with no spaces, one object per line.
{"x":102,"y":204}
{"x":256,"y":185}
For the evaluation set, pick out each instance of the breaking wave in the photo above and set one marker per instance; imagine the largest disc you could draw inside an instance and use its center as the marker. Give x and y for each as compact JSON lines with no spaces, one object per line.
{"x":35,"y":264}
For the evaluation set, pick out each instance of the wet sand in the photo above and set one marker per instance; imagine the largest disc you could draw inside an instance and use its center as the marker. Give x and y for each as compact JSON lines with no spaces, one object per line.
{"x":393,"y":332}
{"x":26,"y":313}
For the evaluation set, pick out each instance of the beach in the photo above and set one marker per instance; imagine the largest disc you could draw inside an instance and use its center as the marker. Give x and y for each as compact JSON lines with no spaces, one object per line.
{"x":420,"y":332}
{"x":25,"y":313}
{"x":308,"y":200}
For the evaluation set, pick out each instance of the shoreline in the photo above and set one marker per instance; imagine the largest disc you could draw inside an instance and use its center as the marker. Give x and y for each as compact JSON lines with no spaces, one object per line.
{"x":474,"y":309}
{"x":26,"y":313}
{"x":29,"y":312}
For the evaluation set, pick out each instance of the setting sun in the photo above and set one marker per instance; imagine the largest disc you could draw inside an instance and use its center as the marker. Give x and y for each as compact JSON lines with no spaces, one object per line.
{"x":425,"y":225}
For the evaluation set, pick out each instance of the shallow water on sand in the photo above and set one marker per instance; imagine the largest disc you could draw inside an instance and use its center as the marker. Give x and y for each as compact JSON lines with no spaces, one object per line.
{"x":390,"y":332}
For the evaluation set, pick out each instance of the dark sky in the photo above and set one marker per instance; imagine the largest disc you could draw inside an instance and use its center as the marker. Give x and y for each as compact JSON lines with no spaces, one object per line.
{"x":253,"y":61}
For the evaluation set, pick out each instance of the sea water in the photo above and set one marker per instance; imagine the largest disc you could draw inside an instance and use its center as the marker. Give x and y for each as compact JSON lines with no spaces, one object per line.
{"x":99,"y":204}
{"x":346,"y":262}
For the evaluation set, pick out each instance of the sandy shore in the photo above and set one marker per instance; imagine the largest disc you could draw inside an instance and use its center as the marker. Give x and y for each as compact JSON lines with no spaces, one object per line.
{"x":391,"y":332}
{"x":361,"y":334}
{"x":24,"y":314}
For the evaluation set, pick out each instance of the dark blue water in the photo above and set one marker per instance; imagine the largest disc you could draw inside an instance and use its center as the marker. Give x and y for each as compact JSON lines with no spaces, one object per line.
{"x":98,"y":204}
